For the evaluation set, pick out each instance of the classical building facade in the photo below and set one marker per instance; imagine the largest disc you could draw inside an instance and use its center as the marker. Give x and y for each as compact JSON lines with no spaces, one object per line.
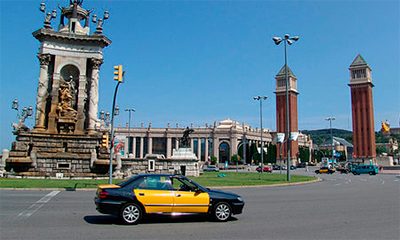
{"x":222,"y":140}
{"x":362,"y":110}
{"x":281,"y":125}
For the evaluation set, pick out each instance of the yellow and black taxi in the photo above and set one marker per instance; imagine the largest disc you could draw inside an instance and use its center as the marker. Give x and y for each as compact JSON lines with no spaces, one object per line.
{"x":325,"y":170}
{"x":165,"y":194}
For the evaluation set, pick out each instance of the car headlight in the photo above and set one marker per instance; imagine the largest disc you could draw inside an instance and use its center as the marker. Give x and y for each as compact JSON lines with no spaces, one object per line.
{"x":240,"y":199}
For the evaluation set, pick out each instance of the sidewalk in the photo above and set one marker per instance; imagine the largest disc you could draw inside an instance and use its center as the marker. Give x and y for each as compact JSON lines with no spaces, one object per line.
{"x":387,"y":171}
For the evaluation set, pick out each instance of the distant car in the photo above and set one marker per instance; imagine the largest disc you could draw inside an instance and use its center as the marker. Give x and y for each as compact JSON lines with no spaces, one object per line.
{"x":301,"y":165}
{"x":292,"y":167}
{"x":265,"y":169}
{"x":343,"y":168}
{"x":164,"y":194}
{"x":325,"y":170}
{"x":211,"y":168}
{"x":276,"y":167}
{"x":364,"y":169}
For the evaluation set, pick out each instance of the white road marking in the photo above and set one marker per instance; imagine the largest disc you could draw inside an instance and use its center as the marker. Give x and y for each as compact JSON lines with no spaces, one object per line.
{"x":37,"y":205}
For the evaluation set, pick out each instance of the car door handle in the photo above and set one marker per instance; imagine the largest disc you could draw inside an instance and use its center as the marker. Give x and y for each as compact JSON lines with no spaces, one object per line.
{"x":141,"y":194}
{"x":178,"y":195}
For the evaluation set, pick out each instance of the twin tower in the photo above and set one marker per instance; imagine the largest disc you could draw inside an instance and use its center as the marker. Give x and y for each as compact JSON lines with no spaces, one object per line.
{"x":361,"y":103}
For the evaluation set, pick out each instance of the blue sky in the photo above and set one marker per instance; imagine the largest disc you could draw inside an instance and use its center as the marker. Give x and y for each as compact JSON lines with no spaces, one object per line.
{"x":203,"y":61}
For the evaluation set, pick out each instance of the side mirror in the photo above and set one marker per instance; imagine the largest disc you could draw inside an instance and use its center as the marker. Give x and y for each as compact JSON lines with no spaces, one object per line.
{"x":198,"y":190}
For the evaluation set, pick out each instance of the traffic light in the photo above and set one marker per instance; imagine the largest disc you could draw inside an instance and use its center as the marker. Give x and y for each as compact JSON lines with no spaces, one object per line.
{"x":118,"y":73}
{"x":105,"y":141}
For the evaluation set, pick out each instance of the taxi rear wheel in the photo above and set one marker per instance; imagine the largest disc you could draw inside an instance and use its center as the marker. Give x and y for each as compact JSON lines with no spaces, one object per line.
{"x":222,"y":212}
{"x":131,"y":213}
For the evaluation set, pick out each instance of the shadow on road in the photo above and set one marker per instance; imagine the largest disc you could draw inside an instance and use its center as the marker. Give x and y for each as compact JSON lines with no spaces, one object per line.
{"x":150,"y":219}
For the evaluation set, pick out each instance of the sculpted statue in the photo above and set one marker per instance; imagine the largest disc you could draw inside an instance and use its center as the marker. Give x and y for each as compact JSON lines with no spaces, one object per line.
{"x":65,"y":109}
{"x":185,"y":138}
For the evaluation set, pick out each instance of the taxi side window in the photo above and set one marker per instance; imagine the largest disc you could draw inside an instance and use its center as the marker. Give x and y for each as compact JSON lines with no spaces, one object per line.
{"x":182,"y":185}
{"x":155,"y":183}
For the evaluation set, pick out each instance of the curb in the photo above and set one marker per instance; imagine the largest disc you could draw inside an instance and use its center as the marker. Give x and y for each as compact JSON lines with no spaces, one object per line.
{"x":214,"y":187}
{"x":272,"y":185}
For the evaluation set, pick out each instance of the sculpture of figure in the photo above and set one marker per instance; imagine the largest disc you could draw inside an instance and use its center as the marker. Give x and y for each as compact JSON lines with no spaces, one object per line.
{"x":65,"y":108}
{"x":185,"y":137}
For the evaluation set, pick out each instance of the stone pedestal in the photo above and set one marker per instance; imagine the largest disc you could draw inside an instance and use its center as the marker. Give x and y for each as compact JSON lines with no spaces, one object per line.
{"x":185,"y":162}
{"x":41,"y":154}
{"x":183,"y":154}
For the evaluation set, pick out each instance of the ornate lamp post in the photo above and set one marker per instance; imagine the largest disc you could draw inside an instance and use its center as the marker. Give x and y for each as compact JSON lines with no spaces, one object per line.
{"x":105,"y":118}
{"x":100,"y":21}
{"x":25,"y":113}
{"x":261,"y":98}
{"x":47,"y":16}
{"x":287,"y":40}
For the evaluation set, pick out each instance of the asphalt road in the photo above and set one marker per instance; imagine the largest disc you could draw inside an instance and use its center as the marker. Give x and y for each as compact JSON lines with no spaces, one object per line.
{"x":339,"y":207}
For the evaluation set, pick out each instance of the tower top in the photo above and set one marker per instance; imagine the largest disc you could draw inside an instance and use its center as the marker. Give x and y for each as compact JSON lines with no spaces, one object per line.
{"x":73,"y":25}
{"x":281,"y":81}
{"x":359,"y":61}
{"x":282,"y":72}
{"x":360,"y":71}
{"x":77,"y":17}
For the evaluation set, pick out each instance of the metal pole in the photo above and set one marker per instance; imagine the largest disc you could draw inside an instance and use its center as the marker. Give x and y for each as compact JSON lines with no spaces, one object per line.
{"x":330,"y":119}
{"x":130,"y":141}
{"x":261,"y":145}
{"x":112,"y":132}
{"x":287,"y":118}
{"x":280,"y":158}
{"x":330,"y":126}
{"x":129,"y":123}
{"x":244,"y":149}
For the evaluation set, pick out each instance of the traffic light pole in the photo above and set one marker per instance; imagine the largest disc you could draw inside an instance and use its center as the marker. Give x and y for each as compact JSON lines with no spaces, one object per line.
{"x":112,"y":132}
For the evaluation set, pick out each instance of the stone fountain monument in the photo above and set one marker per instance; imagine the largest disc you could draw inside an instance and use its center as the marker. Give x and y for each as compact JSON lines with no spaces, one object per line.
{"x":66,"y":138}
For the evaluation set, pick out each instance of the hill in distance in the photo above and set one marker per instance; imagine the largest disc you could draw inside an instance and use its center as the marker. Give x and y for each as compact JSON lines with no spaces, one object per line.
{"x":323,"y":135}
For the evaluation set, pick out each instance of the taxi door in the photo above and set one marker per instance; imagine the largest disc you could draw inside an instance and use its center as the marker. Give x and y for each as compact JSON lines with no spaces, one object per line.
{"x":155,"y":194}
{"x":186,"y":200}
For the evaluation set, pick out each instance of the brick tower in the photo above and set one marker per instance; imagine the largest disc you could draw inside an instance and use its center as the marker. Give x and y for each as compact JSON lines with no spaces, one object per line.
{"x":281,"y":112}
{"x":362,"y":110}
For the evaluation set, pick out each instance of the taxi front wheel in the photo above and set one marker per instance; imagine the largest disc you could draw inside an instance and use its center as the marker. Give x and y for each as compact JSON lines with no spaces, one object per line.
{"x":222,"y":212}
{"x":131,"y":213}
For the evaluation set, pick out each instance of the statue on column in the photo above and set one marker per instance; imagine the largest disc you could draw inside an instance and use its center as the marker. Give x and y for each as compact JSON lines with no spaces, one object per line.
{"x":185,"y":138}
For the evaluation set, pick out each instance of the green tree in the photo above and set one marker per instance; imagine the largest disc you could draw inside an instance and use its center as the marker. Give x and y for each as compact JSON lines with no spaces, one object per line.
{"x":304,"y":154}
{"x":271,"y":153}
{"x":235,"y":158}
{"x":213,"y":160}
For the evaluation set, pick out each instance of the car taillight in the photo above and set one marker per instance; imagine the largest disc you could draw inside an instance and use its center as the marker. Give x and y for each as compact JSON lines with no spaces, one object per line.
{"x":103,"y":194}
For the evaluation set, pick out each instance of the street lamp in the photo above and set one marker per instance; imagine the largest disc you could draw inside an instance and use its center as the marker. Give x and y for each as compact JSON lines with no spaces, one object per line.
{"x":25,"y":112}
{"x":261,"y":98}
{"x":330,"y":119}
{"x":129,"y":125}
{"x":287,"y":40}
{"x":105,"y":118}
